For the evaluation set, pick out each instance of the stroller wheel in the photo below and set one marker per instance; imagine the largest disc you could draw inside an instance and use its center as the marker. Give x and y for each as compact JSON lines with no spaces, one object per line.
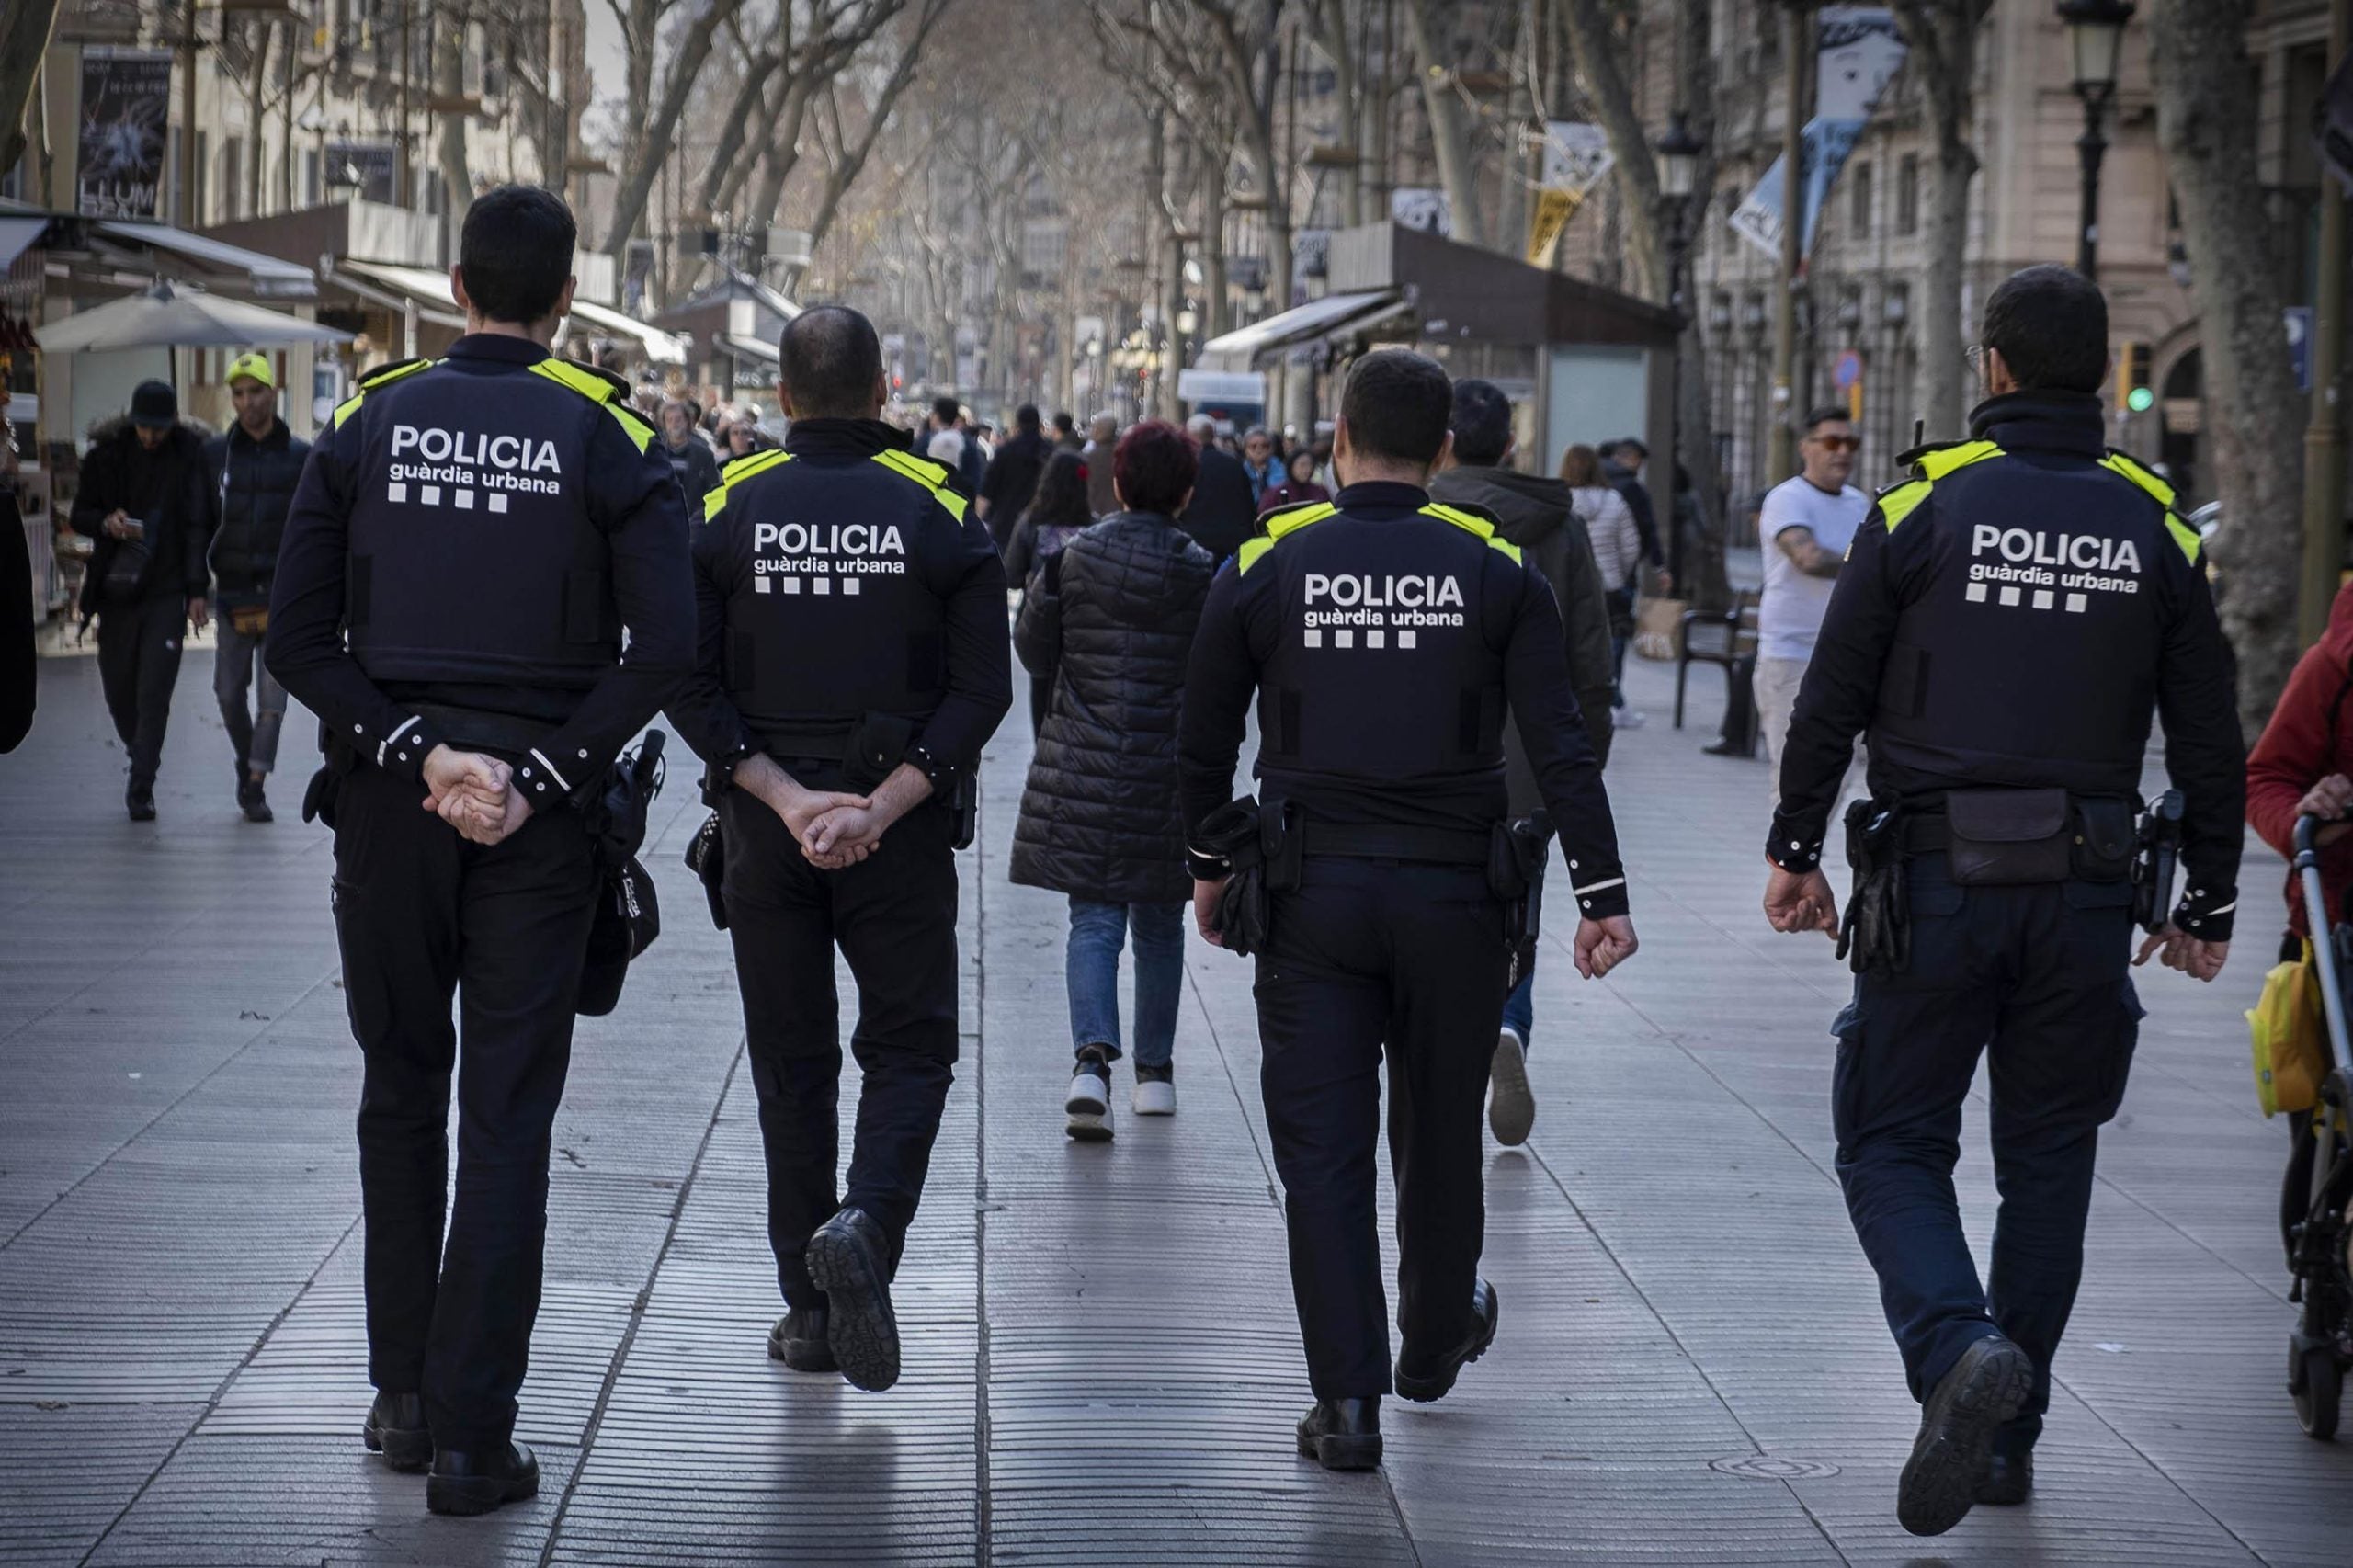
{"x":2316,"y":1381}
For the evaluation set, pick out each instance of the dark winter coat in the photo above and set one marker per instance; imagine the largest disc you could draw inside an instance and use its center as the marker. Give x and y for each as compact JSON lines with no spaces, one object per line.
{"x":1114,"y":620}
{"x":250,"y":484}
{"x":1225,"y":509}
{"x":1536,"y":513}
{"x":164,"y":489}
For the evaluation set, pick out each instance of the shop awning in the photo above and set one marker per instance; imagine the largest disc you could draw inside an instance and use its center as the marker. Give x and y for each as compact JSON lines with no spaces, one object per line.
{"x":1309,"y":323}
{"x":267,"y":275}
{"x":184,"y":317}
{"x":16,"y":236}
{"x":430,"y":289}
{"x":749,"y":348}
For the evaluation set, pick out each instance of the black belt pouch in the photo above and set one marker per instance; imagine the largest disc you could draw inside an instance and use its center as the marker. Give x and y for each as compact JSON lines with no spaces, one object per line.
{"x":2107,"y":837}
{"x":2010,"y":836}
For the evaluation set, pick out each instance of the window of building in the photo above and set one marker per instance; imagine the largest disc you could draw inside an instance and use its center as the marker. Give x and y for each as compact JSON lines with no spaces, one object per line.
{"x":233,"y":173}
{"x":1861,"y":219}
{"x":1907,"y":194}
{"x":312,"y":194}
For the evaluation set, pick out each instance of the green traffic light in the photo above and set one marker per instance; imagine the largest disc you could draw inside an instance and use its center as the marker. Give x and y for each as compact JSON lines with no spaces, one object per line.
{"x":2140,"y":400}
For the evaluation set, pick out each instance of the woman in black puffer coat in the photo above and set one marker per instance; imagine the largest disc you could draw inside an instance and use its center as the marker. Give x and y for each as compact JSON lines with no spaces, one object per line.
{"x":1112,"y":617}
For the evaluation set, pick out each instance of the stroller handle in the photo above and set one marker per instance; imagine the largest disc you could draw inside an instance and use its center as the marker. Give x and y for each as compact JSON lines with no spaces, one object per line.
{"x":2323,"y":939}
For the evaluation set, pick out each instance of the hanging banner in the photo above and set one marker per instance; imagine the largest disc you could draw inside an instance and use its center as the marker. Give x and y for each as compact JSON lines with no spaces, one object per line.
{"x":1422,"y":206}
{"x":371,"y":170}
{"x":1577,"y":155}
{"x":119,"y":151}
{"x":1858,"y":49}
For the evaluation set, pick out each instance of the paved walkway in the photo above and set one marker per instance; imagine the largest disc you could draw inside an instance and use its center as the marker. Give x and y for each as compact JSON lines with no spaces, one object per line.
{"x":1103,"y":1363}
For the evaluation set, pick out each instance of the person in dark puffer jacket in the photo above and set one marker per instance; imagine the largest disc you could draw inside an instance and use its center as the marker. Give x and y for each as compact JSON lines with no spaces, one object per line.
{"x":142,"y":497}
{"x":1056,"y":515}
{"x":250,"y":470}
{"x":1114,"y":614}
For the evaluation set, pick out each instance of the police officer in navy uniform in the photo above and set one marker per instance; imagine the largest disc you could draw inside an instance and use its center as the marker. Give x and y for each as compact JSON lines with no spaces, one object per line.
{"x":2008,"y":620}
{"x":1385,"y":639}
{"x":468,"y":543}
{"x":853,"y":659}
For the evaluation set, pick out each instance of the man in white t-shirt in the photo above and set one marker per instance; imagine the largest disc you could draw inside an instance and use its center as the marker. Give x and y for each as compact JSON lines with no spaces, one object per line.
{"x":1807,"y":524}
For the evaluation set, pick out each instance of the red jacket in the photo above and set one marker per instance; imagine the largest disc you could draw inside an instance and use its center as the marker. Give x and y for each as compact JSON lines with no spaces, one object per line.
{"x":2310,"y":736}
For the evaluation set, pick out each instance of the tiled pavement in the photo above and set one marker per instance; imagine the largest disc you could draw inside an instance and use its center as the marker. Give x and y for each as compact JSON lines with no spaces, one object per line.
{"x":1103,"y":1366}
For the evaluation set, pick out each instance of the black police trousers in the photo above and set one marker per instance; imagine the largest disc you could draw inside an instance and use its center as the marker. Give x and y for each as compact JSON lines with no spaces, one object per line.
{"x":139,"y":663}
{"x":893,"y":917}
{"x":1368,"y":958}
{"x":422,"y":914}
{"x":2037,"y":976}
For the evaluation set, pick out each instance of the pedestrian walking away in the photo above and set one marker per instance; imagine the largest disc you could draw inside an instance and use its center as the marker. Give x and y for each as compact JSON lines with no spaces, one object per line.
{"x":1539,"y":515}
{"x":2008,"y":706}
{"x":1386,"y":638}
{"x":853,"y":661}
{"x":1102,"y":439}
{"x":142,"y":499}
{"x":1809,"y":521}
{"x":1012,"y":475}
{"x":251,"y":471}
{"x":482,"y":669}
{"x":690,"y":457}
{"x":1056,"y":513}
{"x":1225,"y":509}
{"x":1109,"y":622}
{"x":1617,"y":547}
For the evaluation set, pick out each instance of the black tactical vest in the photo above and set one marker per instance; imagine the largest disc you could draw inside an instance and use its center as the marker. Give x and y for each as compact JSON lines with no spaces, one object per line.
{"x":832,"y":611}
{"x":1387,"y":665}
{"x":473,"y":556}
{"x":2030,"y":644}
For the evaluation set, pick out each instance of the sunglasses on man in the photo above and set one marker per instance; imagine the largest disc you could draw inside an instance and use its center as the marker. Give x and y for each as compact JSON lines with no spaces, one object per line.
{"x":1837,"y":443}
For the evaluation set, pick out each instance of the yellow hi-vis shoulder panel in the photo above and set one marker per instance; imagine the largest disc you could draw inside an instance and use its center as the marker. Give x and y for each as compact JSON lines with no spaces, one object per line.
{"x":928,"y":474}
{"x":384,"y":375}
{"x":1280,"y":524}
{"x":715,"y":502}
{"x":1471,"y":525}
{"x":2183,"y":534}
{"x":1901,"y":501}
{"x":597,"y":390}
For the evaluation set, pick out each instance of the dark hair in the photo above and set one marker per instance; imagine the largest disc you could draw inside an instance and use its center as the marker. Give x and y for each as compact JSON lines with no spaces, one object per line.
{"x":2049,"y":325}
{"x":829,"y":359}
{"x":1826,"y":414}
{"x":1064,"y":422}
{"x":1625,"y":444}
{"x":944,"y":410}
{"x":1060,"y":500}
{"x":1482,"y":422}
{"x":1290,"y":463}
{"x":1025,"y":416}
{"x":515,"y":251}
{"x":1154,"y":466}
{"x":1580,"y":467}
{"x":1397,"y":404}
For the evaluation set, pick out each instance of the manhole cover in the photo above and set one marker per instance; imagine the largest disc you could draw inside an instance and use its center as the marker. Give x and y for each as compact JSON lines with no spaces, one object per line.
{"x":1773,"y":1467}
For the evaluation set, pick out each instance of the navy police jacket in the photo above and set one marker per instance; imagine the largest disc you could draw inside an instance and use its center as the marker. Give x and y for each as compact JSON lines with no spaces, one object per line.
{"x":1385,"y":638}
{"x":476,"y":533}
{"x":838,"y":579}
{"x":2012,"y":615}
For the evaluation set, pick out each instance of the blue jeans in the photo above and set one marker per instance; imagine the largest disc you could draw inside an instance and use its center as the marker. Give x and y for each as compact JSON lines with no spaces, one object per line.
{"x":1098,"y":931}
{"x":1519,"y":1008}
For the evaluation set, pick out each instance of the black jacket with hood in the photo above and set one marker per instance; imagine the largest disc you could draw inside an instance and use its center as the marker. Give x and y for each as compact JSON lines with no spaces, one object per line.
{"x":165,"y":490}
{"x":1111,"y":617}
{"x":249,"y":486}
{"x":1537,"y":513}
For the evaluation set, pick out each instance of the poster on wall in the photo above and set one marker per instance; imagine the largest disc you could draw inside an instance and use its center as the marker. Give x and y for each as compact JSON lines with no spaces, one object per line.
{"x":369,"y":170}
{"x":126,"y":104}
{"x":1859,"y":48}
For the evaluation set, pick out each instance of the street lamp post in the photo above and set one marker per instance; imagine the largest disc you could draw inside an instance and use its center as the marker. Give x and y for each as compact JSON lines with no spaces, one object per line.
{"x":1678,"y":173}
{"x":2094,"y":40}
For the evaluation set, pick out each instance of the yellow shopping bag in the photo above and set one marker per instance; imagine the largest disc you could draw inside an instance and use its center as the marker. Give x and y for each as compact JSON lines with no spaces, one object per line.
{"x":2288,"y":1027}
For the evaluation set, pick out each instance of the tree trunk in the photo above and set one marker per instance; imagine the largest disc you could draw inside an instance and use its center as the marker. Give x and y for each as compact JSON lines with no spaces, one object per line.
{"x":256,"y":113}
{"x":1695,"y":74}
{"x":1942,"y":36}
{"x":2252,"y":415}
{"x":1450,"y":138}
{"x":645,"y":147}
{"x":24,"y":38}
{"x":726,"y":158}
{"x":1335,"y":40}
{"x":449,"y":82}
{"x":1593,"y":40}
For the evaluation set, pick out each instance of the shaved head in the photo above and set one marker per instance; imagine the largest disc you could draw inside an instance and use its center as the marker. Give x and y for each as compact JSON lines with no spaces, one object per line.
{"x":830,"y":364}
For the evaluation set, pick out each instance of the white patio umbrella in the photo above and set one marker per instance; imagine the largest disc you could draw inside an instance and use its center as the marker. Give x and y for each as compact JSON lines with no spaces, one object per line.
{"x":165,"y":317}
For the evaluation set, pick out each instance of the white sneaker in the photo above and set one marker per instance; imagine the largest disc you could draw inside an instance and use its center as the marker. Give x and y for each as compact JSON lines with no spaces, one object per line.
{"x":1089,"y":1105}
{"x":1628,"y":718}
{"x":1511,"y":1104}
{"x":1156,"y":1094}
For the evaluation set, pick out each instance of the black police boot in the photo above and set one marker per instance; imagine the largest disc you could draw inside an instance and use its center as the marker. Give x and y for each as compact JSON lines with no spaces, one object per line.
{"x":1984,"y":1389}
{"x":140,"y":801}
{"x":849,"y":1260}
{"x":1423,"y":1379}
{"x":395,"y":1429}
{"x":251,"y":800}
{"x":1342,"y":1434}
{"x":2008,"y":1480}
{"x":477,"y":1482}
{"x":799,"y":1341}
